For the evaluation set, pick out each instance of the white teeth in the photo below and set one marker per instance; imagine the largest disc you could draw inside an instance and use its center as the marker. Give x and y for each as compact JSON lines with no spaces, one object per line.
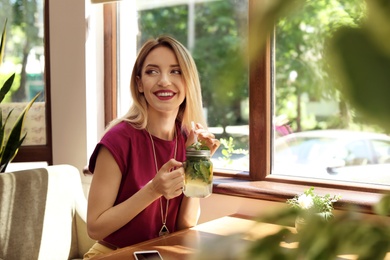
{"x":165,"y":94}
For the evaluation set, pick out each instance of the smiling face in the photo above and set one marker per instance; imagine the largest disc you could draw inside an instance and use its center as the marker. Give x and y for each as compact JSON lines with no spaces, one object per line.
{"x":161,"y":81}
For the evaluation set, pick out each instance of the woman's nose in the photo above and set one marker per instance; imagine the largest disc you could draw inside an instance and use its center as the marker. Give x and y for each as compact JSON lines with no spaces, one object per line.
{"x":164,"y":80}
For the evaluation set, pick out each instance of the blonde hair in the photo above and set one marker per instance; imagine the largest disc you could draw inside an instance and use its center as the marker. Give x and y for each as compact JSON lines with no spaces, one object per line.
{"x":190,"y":110}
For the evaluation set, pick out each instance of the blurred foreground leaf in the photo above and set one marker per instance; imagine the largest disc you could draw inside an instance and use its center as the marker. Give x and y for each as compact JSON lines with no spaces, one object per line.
{"x":348,"y":233}
{"x":383,"y":206}
{"x":365,"y":73}
{"x":360,"y":57}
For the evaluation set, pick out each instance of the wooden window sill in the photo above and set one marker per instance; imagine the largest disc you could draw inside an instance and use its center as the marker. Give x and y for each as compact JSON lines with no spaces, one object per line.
{"x":272,"y":190}
{"x":361,"y":201}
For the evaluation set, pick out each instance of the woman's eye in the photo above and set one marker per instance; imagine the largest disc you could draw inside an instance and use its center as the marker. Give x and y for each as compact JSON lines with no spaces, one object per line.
{"x":150,"y":72}
{"x":178,"y":72}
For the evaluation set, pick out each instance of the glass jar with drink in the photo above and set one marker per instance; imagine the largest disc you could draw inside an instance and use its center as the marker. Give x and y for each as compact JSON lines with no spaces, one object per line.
{"x":198,"y":172}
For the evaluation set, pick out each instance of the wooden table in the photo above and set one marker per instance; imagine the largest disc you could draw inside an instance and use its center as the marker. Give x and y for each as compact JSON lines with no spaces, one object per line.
{"x":185,"y":243}
{"x":209,"y":238}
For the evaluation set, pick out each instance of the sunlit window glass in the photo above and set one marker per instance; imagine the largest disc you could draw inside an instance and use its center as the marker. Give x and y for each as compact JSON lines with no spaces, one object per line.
{"x":24,"y":56}
{"x":215,"y":32}
{"x":318,"y":134}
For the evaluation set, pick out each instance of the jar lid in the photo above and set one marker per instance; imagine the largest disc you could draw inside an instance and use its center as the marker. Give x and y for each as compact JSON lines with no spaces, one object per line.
{"x":197,"y":153}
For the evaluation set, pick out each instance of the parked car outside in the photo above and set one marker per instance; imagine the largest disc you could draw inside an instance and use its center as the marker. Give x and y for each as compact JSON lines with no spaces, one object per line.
{"x":334,"y":154}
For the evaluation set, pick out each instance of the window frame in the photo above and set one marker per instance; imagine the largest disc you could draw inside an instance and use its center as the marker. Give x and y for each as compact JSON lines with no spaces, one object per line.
{"x":110,"y":62}
{"x":36,"y":153}
{"x":259,"y":184}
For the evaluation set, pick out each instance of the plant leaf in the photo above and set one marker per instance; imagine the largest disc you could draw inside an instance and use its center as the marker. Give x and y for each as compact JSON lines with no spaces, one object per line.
{"x":1,"y":130}
{"x":12,"y":151}
{"x":364,"y":70}
{"x":2,"y":134}
{"x":14,"y":140}
{"x":6,"y":87}
{"x":2,"y":43}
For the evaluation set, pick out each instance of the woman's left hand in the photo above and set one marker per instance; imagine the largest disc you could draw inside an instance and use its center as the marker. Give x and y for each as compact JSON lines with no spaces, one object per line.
{"x":205,"y":137}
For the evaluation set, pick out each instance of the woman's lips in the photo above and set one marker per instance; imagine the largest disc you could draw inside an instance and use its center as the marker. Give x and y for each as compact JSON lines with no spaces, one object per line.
{"x":164,"y":95}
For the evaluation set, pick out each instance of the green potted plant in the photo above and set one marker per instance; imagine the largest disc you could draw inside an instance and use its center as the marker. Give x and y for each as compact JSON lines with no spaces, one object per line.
{"x":10,"y":142}
{"x":310,"y":204}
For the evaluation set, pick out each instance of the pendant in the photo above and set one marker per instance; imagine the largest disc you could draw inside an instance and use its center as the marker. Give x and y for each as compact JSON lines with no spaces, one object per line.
{"x":163,"y":231}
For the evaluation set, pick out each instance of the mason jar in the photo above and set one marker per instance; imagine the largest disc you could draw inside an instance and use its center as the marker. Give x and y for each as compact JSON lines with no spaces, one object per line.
{"x":198,"y":181}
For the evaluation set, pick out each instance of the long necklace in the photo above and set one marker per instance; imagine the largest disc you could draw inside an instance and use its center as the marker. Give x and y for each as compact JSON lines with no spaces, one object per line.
{"x":164,"y":229}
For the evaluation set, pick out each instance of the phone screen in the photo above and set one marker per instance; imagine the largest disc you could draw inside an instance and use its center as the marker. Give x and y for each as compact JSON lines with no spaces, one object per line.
{"x":147,"y":255}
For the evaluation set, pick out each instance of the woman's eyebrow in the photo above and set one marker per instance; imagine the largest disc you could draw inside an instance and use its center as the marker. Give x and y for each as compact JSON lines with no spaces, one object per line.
{"x":156,"y":66}
{"x":175,"y":67}
{"x":151,"y":65}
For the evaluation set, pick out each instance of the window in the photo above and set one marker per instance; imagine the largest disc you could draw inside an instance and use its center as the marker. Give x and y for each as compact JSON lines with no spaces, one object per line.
{"x":26,"y":55}
{"x":309,"y":101}
{"x":381,"y":151}
{"x":196,"y":24}
{"x":264,"y":109}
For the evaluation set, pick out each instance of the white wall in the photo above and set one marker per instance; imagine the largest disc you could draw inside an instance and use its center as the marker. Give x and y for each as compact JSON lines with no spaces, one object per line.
{"x":70,"y":86}
{"x":218,"y":205}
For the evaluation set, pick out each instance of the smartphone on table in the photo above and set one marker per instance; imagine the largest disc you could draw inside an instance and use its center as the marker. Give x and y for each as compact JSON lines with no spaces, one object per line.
{"x":147,"y":255}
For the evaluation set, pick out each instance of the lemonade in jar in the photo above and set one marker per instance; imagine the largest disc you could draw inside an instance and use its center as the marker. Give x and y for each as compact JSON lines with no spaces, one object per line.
{"x":198,"y":168}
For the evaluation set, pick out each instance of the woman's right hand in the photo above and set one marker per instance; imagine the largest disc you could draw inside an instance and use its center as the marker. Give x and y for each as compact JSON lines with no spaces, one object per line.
{"x":169,"y":180}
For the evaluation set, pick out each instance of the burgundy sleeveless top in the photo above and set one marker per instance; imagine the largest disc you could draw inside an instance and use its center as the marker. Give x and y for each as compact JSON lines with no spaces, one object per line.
{"x":132,"y":151}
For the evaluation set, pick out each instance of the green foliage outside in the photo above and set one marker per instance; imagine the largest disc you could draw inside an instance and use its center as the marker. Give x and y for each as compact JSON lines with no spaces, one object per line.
{"x":218,"y":61}
{"x":10,"y":142}
{"x":24,"y":34}
{"x":229,"y":150}
{"x":301,"y":41}
{"x":360,"y":58}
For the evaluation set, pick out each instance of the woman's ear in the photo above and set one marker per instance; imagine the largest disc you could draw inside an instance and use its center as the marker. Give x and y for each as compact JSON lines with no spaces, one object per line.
{"x":139,"y":84}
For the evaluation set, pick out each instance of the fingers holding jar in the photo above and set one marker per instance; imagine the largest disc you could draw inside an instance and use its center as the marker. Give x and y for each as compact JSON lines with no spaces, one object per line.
{"x":207,"y":138}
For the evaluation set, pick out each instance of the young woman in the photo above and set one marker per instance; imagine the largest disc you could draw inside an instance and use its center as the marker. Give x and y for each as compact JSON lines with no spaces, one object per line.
{"x":136,"y":191}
